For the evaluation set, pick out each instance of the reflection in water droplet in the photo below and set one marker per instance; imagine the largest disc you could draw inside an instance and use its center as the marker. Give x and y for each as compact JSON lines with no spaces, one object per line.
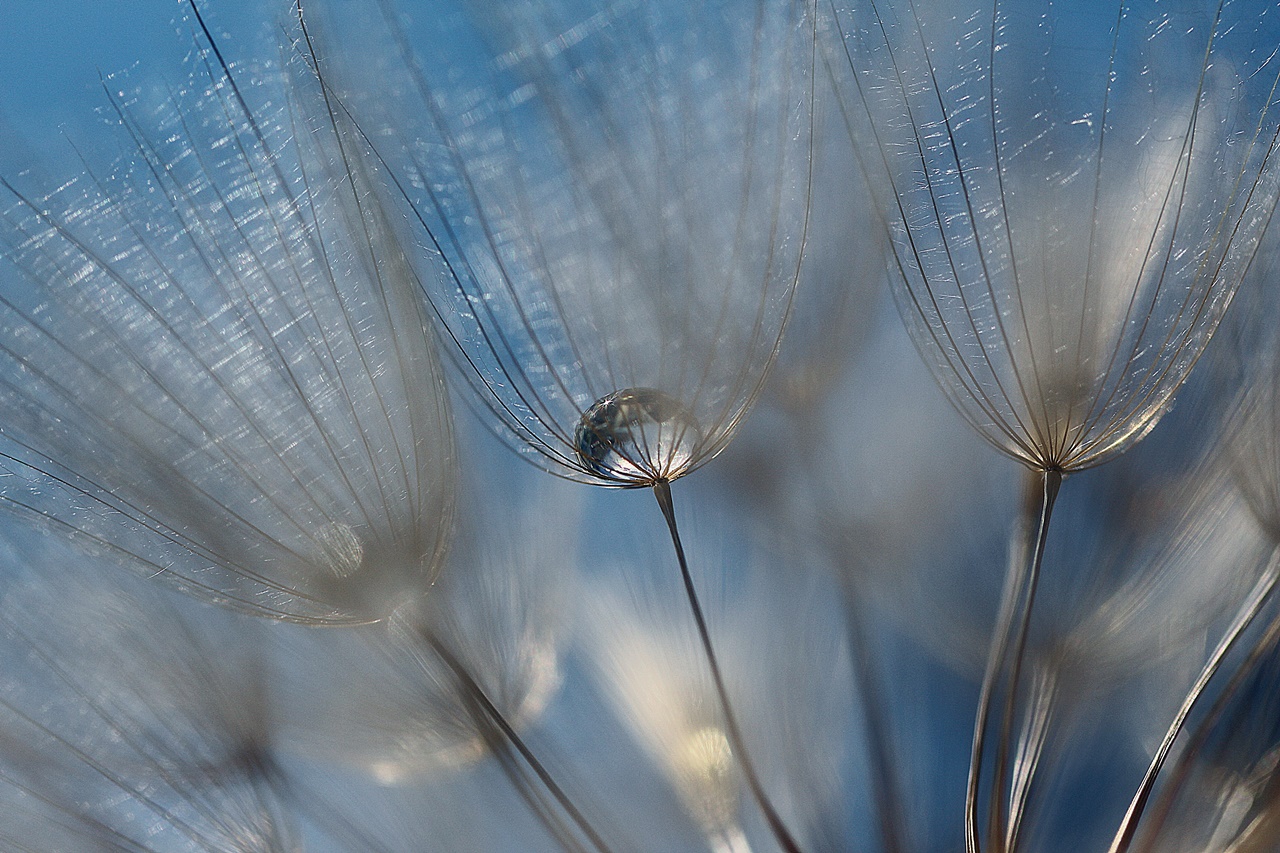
{"x":637,"y":436}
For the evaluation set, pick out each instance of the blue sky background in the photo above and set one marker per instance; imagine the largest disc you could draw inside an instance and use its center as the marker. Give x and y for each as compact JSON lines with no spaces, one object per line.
{"x":51,"y":56}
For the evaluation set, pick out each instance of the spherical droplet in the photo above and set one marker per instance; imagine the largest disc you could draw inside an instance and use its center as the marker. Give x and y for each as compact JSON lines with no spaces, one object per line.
{"x":637,"y":436}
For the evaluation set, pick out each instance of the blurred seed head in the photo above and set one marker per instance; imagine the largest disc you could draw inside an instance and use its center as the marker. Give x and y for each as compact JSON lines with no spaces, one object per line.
{"x":214,"y":366}
{"x":131,"y":719}
{"x":384,"y":698}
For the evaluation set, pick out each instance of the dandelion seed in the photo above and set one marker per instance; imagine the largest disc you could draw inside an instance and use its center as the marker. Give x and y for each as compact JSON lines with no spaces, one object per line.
{"x":1061,"y":279}
{"x":1248,"y":446}
{"x":400,"y":712}
{"x":214,"y":367}
{"x":604,"y":242}
{"x":617,"y":298}
{"x":130,"y":719}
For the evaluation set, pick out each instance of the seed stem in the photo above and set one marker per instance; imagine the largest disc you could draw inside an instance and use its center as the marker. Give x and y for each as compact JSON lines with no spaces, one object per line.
{"x":662,"y":490}
{"x":887,"y":794}
{"x":1197,"y":738}
{"x":1019,"y":594}
{"x":1258,"y":596}
{"x":476,"y":692}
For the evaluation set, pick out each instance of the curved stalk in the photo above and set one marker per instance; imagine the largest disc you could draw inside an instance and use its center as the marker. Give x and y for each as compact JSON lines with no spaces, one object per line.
{"x":535,"y":801}
{"x":1258,"y":596}
{"x":887,"y":788}
{"x":1182,"y":770}
{"x":1019,"y":593}
{"x":662,"y":491}
{"x":1035,"y":728}
{"x":508,"y":732}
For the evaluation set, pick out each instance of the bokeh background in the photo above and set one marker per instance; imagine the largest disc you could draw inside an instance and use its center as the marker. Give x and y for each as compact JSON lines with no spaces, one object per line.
{"x":850,"y":546}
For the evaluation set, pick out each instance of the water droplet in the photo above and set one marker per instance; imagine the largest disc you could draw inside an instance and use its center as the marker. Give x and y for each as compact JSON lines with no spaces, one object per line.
{"x":637,"y":436}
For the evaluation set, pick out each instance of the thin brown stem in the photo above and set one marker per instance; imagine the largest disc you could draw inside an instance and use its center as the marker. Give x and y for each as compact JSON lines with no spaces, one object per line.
{"x":887,"y":791}
{"x":1199,"y":737}
{"x":662,"y":490}
{"x":1258,"y":596}
{"x":1019,"y":593}
{"x":477,"y":693}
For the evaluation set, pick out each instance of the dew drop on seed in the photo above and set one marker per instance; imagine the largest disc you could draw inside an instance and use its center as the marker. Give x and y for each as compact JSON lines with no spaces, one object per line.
{"x":638,"y":436}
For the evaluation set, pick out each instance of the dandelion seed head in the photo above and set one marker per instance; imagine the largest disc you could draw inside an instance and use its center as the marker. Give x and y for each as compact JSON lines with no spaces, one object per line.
{"x":1064,"y":263}
{"x":705,"y":761}
{"x":234,"y":328}
{"x":142,"y":718}
{"x":618,"y":202}
{"x":637,"y":436}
